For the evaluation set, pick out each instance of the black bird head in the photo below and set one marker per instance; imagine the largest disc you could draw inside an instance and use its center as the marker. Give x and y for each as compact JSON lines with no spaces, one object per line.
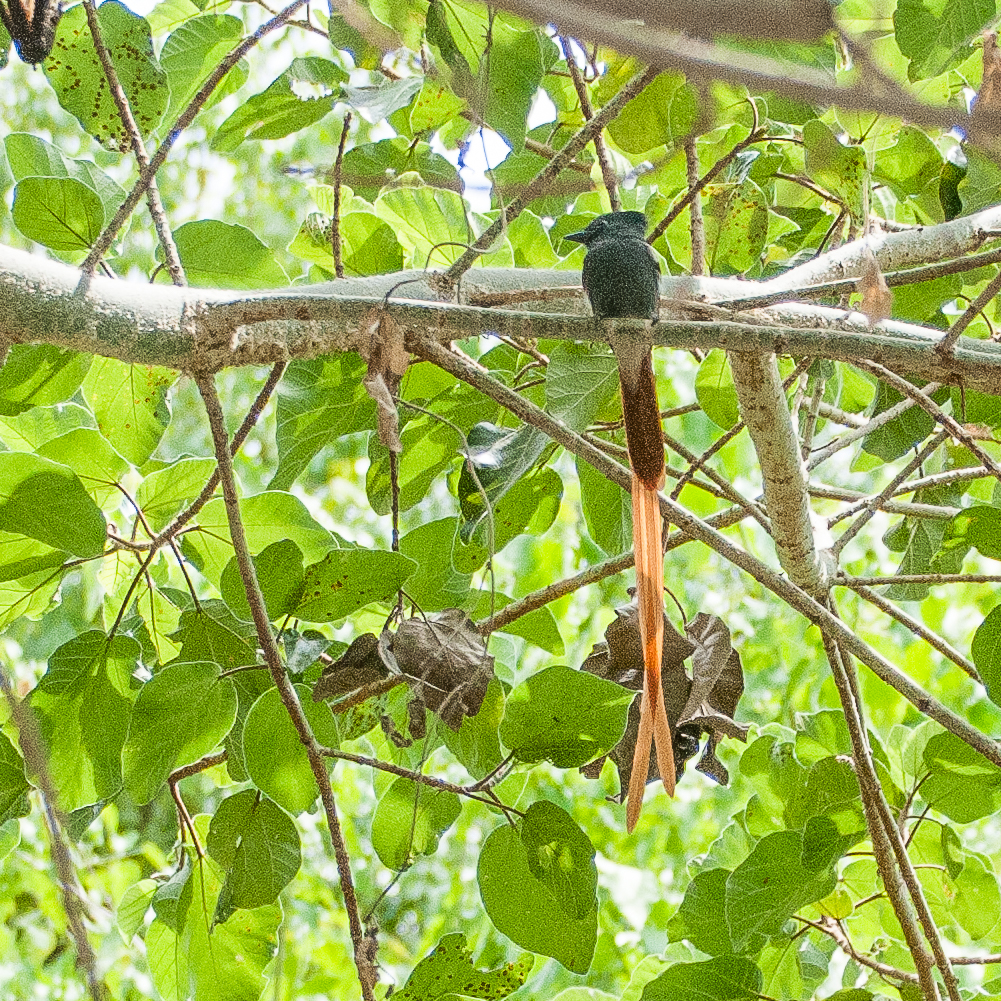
{"x":613,"y":224}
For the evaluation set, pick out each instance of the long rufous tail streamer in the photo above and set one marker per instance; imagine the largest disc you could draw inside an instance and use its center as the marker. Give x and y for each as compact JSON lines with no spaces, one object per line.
{"x":646,"y":456}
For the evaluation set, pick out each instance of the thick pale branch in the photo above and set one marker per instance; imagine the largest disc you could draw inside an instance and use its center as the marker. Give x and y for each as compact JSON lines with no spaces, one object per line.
{"x":764,"y":410}
{"x":208,"y":330}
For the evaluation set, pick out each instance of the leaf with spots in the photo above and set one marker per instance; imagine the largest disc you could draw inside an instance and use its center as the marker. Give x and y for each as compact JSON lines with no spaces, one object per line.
{"x":450,"y":970}
{"x":736,"y":222}
{"x":130,"y":404}
{"x":348,"y":579}
{"x":77,"y":76}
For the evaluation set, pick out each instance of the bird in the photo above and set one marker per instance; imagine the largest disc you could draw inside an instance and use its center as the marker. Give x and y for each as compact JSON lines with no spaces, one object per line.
{"x":621,"y":278}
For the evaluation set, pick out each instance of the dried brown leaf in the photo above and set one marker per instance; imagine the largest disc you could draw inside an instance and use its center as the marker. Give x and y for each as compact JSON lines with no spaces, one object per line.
{"x":387,"y":362}
{"x":877,"y":299}
{"x":705,"y":705}
{"x":445,"y":660}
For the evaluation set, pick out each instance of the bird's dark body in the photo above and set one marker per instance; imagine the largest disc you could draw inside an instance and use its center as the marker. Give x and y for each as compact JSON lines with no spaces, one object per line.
{"x":620,"y":275}
{"x":622,"y":279}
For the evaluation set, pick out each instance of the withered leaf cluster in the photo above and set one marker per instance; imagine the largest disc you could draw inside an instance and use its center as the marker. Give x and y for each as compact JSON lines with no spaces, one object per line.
{"x":703,"y":703}
{"x":443,"y":658}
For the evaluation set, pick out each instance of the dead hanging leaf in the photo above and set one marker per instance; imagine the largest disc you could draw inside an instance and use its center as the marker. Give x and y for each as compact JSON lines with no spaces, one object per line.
{"x":718,"y":683}
{"x":443,"y":658}
{"x":446,"y":663}
{"x":986,"y":125}
{"x":705,"y":705}
{"x":387,"y":362}
{"x":877,"y":299}
{"x":359,"y":667}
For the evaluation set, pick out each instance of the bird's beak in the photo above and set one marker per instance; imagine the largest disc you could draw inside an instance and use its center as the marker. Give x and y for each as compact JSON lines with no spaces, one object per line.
{"x":575,"y":237}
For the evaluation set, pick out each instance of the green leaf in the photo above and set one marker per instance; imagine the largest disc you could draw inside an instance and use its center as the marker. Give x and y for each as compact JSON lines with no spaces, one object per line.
{"x":476,"y":744}
{"x":936,"y":36}
{"x":92,"y":458}
{"x":61,"y":213}
{"x":736,"y":222}
{"x":580,"y":381}
{"x":726,"y":978}
{"x":715,"y":391}
{"x":38,"y":375}
{"x":513,"y":69}
{"x":32,"y":156}
{"x":183,"y":712}
{"x":131,"y":405}
{"x":280,"y":110}
{"x":531,"y":504}
{"x":348,"y":579}
{"x":703,"y":913}
{"x":13,"y":785}
{"x":377,"y":101}
{"x":429,"y":448}
{"x":837,"y":168}
{"x":986,"y":647}
{"x":531,"y":874}
{"x":428,"y":223}
{"x":450,"y":970}
{"x":32,"y":429}
{"x":166,"y":492}
{"x":564,"y":716}
{"x":963,"y":784}
{"x":220,"y":255}
{"x":194,"y":957}
{"x":258,"y":845}
{"x":276,"y":759}
{"x":608,"y":511}
{"x":44,"y":500}
{"x":899,"y":435}
{"x":770,"y":885}
{"x":368,"y":167}
{"x":82,"y":706}
{"x":78,"y":78}
{"x":435,"y":584}
{"x":368,"y":245}
{"x":132,"y":908}
{"x":267,"y":518}
{"x":319,"y":401}
{"x":500,"y":457}
{"x":410,"y":820}
{"x":665,"y":111}
{"x":435,"y":106}
{"x":280,"y":576}
{"x":193,"y":50}
{"x":976,"y":905}
{"x":10,"y":838}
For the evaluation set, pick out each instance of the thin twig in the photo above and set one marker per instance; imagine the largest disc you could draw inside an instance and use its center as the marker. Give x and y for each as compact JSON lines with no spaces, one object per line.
{"x":148,"y":172}
{"x":156,"y":210}
{"x":335,"y":219}
{"x":604,"y":160}
{"x":696,"y":226}
{"x":926,"y":403}
{"x":872,"y":504}
{"x":367,"y":975}
{"x":576,"y":143}
{"x":976,"y":307}
{"x":69,"y":883}
{"x":918,"y":628}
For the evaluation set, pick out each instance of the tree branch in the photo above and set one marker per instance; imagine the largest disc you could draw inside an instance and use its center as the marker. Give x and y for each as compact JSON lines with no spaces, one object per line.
{"x":367,"y":975}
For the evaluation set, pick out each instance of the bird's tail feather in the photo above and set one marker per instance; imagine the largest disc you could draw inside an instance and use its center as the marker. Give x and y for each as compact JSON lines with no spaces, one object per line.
{"x":654,"y":726}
